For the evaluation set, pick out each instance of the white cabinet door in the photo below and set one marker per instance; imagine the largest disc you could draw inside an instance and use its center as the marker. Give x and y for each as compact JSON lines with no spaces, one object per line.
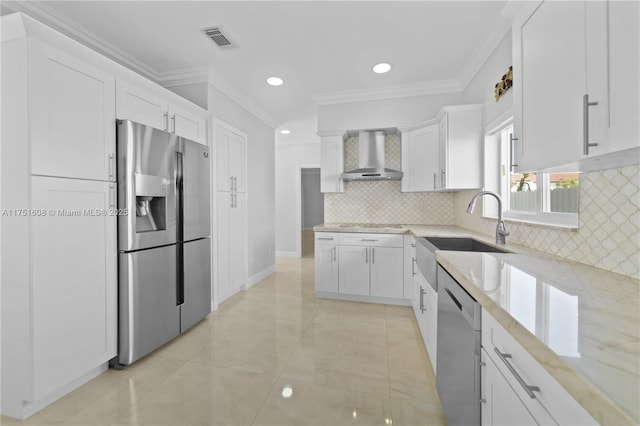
{"x":502,"y":406}
{"x":223,"y":235}
{"x":230,"y":149}
{"x":72,"y":110}
{"x":409,"y":269}
{"x":73,"y":257}
{"x":135,"y":104}
{"x":420,"y":159}
{"x":331,"y":164}
{"x":386,"y":264}
{"x":236,"y":243}
{"x":443,"y":134}
{"x":549,"y":124}
{"x":431,"y":323}
{"x":187,"y":124}
{"x":353,"y":270}
{"x":623,"y":74}
{"x":326,"y":268}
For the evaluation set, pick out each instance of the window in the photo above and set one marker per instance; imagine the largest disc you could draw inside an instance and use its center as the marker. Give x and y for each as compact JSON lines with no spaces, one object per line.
{"x":547,"y":198}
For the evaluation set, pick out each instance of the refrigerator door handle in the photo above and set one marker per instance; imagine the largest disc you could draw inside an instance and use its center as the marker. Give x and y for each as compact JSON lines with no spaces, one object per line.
{"x":179,"y":195}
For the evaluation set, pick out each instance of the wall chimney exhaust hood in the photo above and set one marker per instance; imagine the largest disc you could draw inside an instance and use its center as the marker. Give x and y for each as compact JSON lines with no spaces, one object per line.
{"x":371,"y":159}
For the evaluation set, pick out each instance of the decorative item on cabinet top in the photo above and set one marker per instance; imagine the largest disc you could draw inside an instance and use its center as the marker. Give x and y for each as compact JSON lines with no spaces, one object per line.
{"x":504,"y":84}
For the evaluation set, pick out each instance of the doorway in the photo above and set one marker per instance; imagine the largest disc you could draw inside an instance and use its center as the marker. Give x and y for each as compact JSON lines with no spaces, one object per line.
{"x":312,"y":207}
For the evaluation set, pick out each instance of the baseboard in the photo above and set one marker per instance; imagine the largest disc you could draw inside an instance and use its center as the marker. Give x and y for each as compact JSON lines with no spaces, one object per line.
{"x":287,"y":254}
{"x":253,"y":280}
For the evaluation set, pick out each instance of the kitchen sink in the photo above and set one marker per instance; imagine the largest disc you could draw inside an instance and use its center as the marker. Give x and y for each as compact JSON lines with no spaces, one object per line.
{"x":462,"y":244}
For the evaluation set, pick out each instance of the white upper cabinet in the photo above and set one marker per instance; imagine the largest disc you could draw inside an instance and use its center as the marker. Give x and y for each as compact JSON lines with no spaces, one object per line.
{"x":72,"y":118}
{"x":420,"y":158}
{"x":145,"y":106}
{"x":460,"y":147}
{"x":331,"y":163}
{"x":576,"y":65}
{"x":135,"y":104}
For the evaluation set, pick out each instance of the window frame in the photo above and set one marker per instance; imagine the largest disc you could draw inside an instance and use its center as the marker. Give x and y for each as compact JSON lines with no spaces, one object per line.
{"x":496,"y":135}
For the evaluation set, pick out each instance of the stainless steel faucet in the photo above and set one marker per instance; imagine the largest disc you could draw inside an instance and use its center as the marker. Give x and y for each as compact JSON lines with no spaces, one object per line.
{"x":501,"y":231}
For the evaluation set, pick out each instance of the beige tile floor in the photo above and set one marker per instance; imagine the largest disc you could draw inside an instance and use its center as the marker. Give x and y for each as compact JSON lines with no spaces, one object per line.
{"x":273,"y":355}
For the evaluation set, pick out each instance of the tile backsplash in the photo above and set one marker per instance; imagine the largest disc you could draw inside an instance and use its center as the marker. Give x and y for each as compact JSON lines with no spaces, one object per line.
{"x":382,"y":201}
{"x":608,"y":236}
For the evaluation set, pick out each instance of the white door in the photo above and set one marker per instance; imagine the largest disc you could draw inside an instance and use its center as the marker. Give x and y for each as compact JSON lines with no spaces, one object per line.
{"x":237,"y":145}
{"x":186,"y":124}
{"x":502,"y":406}
{"x":135,"y":104}
{"x":72,"y":111}
{"x":222,"y":236}
{"x":326,"y":268}
{"x":236,"y":243}
{"x":74,"y":283}
{"x":553,"y":85}
{"x":353,"y":270}
{"x":386,"y":272}
{"x":223,"y":138}
{"x":423,"y":160}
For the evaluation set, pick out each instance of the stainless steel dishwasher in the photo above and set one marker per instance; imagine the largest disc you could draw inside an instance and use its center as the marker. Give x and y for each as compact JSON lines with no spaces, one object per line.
{"x":458,"y":368}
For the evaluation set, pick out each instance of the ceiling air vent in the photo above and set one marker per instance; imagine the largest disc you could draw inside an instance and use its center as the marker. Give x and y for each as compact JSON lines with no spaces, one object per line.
{"x":218,"y":37}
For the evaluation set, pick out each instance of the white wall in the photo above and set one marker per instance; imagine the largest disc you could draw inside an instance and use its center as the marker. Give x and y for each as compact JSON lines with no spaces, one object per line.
{"x":196,"y":93}
{"x":289,"y":158}
{"x":312,"y":199}
{"x":480,"y":89}
{"x":260,"y":178}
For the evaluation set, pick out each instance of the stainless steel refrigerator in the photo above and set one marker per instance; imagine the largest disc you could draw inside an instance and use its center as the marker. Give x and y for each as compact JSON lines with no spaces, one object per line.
{"x":164,"y":238}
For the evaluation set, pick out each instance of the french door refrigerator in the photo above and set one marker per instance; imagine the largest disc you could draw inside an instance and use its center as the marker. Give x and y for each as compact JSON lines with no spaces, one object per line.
{"x":164,"y":231}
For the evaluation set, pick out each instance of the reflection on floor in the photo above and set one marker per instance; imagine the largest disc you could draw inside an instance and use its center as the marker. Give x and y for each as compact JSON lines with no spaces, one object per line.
{"x":274,"y":355}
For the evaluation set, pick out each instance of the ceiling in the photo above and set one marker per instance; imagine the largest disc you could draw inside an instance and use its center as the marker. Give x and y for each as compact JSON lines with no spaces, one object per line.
{"x":324,"y":50}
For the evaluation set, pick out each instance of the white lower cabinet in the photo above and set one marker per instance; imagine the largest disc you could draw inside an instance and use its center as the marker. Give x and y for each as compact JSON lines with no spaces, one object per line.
{"x":326,"y":262}
{"x":517,"y":389}
{"x":501,"y":404}
{"x":409,"y":266}
{"x":426,"y":311}
{"x":361,"y":265}
{"x":230,"y":244}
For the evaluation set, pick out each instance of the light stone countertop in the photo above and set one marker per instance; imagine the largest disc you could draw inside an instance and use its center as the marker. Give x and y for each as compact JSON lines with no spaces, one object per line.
{"x":581,"y":323}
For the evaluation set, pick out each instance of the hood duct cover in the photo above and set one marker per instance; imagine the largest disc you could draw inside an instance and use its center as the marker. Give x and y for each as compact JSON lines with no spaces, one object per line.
{"x":371,"y":159}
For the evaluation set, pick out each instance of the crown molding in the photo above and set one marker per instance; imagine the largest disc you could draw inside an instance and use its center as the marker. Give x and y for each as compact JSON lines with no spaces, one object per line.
{"x":184,"y":77}
{"x":499,"y":29}
{"x":403,"y":91}
{"x":39,"y":11}
{"x":241,"y":100}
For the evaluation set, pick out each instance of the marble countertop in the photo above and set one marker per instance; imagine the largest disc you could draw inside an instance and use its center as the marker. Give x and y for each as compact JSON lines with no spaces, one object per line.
{"x":581,"y":323}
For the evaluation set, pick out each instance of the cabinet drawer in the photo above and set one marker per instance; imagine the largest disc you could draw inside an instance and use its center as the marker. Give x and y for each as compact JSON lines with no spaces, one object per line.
{"x":551,"y":404}
{"x":371,"y":240}
{"x":326,"y":238}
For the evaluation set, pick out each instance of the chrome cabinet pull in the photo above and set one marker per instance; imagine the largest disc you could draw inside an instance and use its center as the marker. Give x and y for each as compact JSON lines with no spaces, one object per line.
{"x":173,"y":123}
{"x":230,"y":183}
{"x":435,"y":176}
{"x":366,"y":255}
{"x":527,"y":388}
{"x":235,"y":183}
{"x":373,"y":255}
{"x":512,"y":147}
{"x":326,"y":238}
{"x":364,"y":239}
{"x":413,"y":266}
{"x":231,"y":200}
{"x":442,"y":179}
{"x":110,"y":159}
{"x":334,"y":253}
{"x":422,"y":293}
{"x":585,"y":123}
{"x":166,"y":121}
{"x":111,"y":197}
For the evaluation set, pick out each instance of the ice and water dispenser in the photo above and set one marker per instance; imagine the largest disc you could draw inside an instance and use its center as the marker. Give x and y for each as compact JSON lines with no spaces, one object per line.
{"x":151,"y":203}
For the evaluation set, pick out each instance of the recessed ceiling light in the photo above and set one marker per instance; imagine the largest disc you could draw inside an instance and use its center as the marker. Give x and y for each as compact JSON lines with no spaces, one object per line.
{"x":381,"y":68}
{"x":275,"y":81}
{"x":285,"y":131}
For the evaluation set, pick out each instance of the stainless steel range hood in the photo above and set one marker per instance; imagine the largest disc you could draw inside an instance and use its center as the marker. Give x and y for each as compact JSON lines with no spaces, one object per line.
{"x":371,"y":159}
